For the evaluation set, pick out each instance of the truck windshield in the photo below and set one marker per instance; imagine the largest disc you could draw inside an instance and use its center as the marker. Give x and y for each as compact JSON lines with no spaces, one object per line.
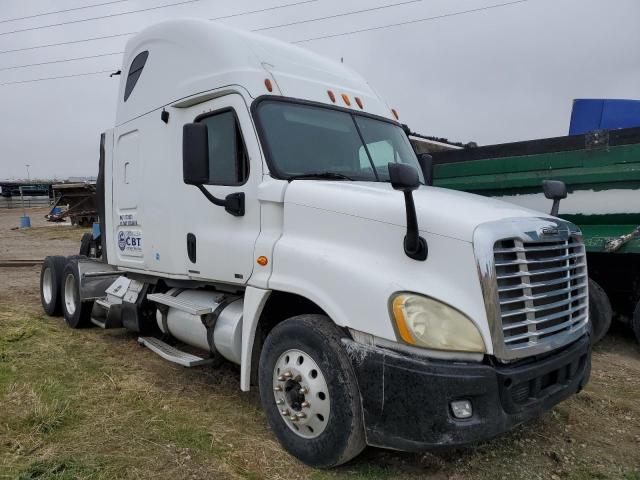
{"x":305,"y":141}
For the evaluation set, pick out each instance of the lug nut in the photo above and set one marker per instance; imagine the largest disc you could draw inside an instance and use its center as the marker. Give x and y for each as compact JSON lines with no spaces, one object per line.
{"x":287,"y":375}
{"x":293,"y":418}
{"x":305,"y":404}
{"x":301,"y":415}
{"x":277,"y":388}
{"x":303,"y":390}
{"x":285,"y":412}
{"x":281,"y":378}
{"x":279,"y":402}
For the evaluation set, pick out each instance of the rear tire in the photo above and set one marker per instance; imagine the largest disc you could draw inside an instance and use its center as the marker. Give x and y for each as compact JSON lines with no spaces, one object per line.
{"x":600,"y":312}
{"x":77,"y":314}
{"x":50,"y":284}
{"x":334,"y":408}
{"x":85,"y":244}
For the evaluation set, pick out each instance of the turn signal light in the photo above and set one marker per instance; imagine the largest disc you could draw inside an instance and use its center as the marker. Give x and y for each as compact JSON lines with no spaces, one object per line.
{"x":262,"y":260}
{"x":345,"y":97}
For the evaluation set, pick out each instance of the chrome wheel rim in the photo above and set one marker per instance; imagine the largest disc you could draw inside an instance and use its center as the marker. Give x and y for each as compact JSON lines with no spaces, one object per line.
{"x":70,"y":294}
{"x":47,"y":285}
{"x":301,"y":393}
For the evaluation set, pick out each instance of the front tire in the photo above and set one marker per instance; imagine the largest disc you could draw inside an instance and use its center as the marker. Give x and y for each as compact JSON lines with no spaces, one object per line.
{"x":310,"y":393}
{"x":600,"y":312}
{"x":50,"y":284}
{"x":77,"y":314}
{"x":635,"y":321}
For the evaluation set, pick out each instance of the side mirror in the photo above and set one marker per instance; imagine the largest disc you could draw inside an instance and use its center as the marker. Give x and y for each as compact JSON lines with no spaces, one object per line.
{"x":195,"y":154}
{"x":405,"y":178}
{"x":195,"y":167}
{"x":554,"y":190}
{"x":426,"y":165}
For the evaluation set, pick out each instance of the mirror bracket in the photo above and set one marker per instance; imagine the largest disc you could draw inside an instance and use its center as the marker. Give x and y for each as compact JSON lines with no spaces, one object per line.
{"x":414,"y":245}
{"x":405,"y":179}
{"x":232,"y":203}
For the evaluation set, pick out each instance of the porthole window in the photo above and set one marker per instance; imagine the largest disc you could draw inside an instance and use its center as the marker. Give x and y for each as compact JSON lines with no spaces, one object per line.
{"x":134,"y":73}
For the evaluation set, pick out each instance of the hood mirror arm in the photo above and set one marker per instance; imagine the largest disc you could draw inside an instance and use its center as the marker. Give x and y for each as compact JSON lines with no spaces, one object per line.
{"x":554,"y":190}
{"x":405,"y":178}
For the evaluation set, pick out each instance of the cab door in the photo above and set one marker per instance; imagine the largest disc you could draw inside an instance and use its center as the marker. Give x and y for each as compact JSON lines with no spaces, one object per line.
{"x":219,"y":246}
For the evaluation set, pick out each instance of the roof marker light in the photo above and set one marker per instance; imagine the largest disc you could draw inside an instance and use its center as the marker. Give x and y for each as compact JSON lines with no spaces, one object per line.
{"x":345,"y":97}
{"x":267,"y":83}
{"x":359,"y":102}
{"x":331,"y":96}
{"x":395,"y":113}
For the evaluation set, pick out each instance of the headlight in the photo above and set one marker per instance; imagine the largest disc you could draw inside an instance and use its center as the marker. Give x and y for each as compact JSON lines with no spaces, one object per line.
{"x":425,"y":322}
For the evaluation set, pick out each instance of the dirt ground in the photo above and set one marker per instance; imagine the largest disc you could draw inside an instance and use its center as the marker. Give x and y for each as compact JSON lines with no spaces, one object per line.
{"x":92,"y":404}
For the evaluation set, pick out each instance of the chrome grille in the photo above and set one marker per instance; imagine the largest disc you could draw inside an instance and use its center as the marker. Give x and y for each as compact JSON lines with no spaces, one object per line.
{"x":542,"y":290}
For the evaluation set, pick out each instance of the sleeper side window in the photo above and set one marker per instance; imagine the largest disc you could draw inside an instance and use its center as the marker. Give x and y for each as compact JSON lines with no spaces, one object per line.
{"x":135,"y":70}
{"x":228,"y":158}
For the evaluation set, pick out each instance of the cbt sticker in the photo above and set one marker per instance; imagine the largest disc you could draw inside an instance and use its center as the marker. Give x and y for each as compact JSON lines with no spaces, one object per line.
{"x":130,"y":242}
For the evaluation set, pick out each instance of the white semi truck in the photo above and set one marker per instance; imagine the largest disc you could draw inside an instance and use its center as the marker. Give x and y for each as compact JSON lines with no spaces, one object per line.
{"x":261,"y":204}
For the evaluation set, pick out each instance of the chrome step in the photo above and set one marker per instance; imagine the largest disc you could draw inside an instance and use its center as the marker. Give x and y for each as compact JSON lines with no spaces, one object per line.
{"x":173,"y":354}
{"x":99,"y":323}
{"x":107,"y":313}
{"x":103,"y":302}
{"x":185,"y":306}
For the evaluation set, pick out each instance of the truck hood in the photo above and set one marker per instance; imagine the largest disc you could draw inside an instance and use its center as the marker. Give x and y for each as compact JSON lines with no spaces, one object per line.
{"x":440,"y":211}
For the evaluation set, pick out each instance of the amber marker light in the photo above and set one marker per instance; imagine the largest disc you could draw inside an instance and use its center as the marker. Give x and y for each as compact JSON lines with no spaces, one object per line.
{"x":331,"y":96}
{"x":267,"y":83}
{"x":398,"y":313}
{"x":395,"y":113}
{"x":262,"y":260}
{"x":359,"y":102}
{"x":346,"y":100}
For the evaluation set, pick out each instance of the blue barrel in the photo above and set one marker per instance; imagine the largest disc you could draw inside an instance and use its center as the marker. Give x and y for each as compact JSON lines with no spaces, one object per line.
{"x":95,"y":230}
{"x":56,"y":210}
{"x":25,"y":222}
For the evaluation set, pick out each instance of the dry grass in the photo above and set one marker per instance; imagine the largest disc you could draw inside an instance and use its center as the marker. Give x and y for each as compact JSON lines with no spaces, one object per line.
{"x":92,"y":404}
{"x":57,"y":232}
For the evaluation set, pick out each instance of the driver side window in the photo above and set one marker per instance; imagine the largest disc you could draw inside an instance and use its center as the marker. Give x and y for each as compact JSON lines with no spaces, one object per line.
{"x":229,"y":161}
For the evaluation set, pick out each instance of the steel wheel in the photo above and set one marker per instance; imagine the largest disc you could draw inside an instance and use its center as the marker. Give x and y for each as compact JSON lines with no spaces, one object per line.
{"x":47,"y":285}
{"x":301,"y":393}
{"x":70,"y":299}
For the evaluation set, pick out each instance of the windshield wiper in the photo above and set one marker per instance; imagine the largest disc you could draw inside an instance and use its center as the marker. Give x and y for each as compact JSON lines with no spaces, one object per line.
{"x":320,"y":175}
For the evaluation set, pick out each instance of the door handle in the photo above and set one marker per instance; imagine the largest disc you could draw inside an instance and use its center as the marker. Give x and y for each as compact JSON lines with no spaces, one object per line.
{"x":191,"y":247}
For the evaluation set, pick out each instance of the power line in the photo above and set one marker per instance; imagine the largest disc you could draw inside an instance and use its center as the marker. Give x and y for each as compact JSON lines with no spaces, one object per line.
{"x":352,"y":32}
{"x":82,"y":40}
{"x":102,"y":37}
{"x":381,"y":7}
{"x":184,"y":2}
{"x":59,"y":61}
{"x":263,"y":10}
{"x":437,"y":17}
{"x":62,"y":11}
{"x":55,"y":78}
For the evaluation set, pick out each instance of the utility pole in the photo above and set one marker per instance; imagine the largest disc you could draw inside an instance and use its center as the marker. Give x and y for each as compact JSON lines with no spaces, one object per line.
{"x":28,"y":176}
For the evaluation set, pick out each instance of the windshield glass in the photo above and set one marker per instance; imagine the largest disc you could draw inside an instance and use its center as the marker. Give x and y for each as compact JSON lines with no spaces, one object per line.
{"x":307,"y":140}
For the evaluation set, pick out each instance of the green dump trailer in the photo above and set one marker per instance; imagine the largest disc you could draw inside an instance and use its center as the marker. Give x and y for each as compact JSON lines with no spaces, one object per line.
{"x":602,"y":172}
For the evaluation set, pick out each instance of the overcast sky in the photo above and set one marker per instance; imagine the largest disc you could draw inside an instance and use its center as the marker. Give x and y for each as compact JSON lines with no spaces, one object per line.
{"x":491,"y":76}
